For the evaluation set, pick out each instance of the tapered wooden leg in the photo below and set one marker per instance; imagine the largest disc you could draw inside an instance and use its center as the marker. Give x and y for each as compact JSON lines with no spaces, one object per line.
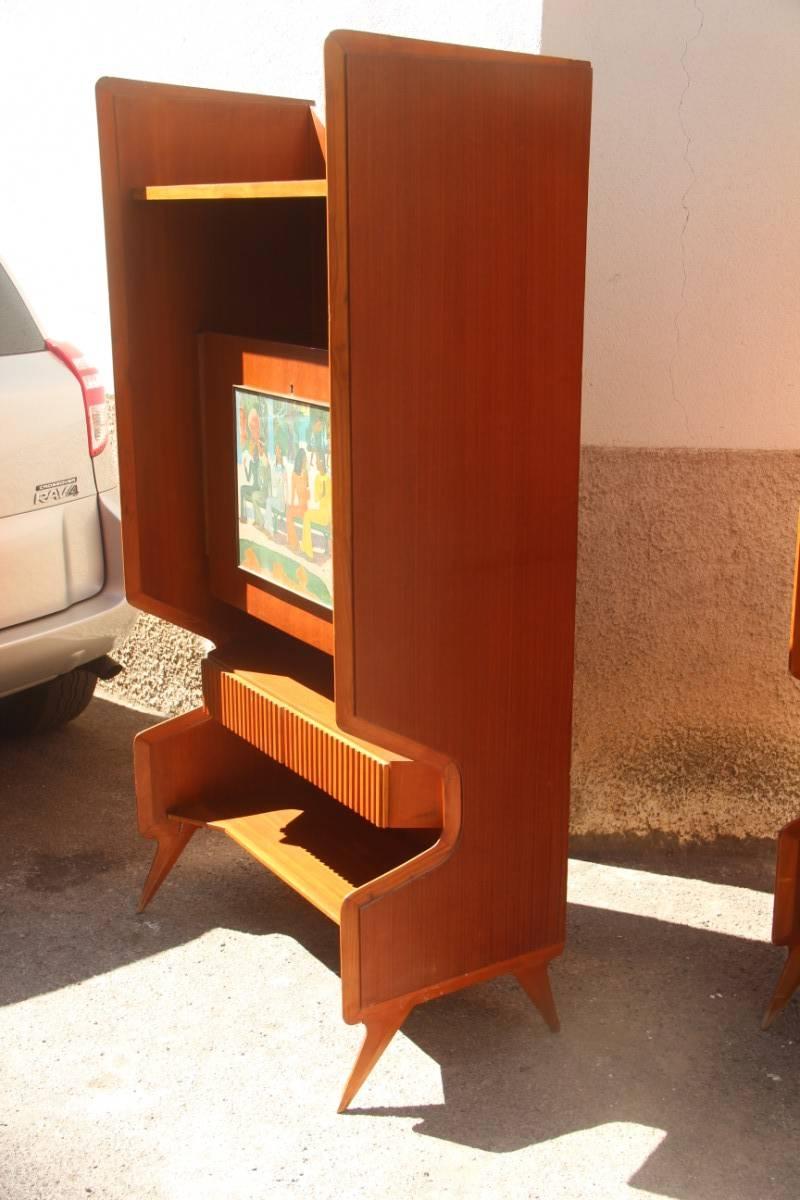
{"x":536,"y":982}
{"x":381,"y":1028}
{"x":785,"y":988}
{"x":172,"y":838}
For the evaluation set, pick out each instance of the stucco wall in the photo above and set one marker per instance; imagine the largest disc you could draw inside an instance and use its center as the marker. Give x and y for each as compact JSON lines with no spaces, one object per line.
{"x":692,"y":304}
{"x":686,"y":720}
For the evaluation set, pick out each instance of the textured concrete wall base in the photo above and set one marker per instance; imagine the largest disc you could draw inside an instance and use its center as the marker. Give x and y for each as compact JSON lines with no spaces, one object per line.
{"x":687,"y":723}
{"x":686,"y":720}
{"x":162,"y":668}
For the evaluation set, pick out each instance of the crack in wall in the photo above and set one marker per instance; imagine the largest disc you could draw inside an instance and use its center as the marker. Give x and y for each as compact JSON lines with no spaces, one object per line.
{"x":685,"y":206}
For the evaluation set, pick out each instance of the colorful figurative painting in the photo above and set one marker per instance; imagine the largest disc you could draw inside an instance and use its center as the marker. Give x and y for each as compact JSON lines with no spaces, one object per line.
{"x":283,"y":483}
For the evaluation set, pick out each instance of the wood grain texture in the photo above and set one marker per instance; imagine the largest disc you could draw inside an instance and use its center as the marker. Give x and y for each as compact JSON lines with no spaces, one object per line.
{"x":523,"y":963}
{"x":536,"y":982}
{"x":354,"y":42}
{"x":456,"y":217}
{"x":461,"y":310}
{"x":189,"y":759}
{"x":171,"y":840}
{"x":786,"y":912}
{"x":317,"y":847}
{"x":224,"y":362}
{"x":176,"y":270}
{"x":283,"y":189}
{"x":191,"y":771}
{"x":381,"y":1026}
{"x":322,"y":137}
{"x":787,"y":985}
{"x":296,"y":726}
{"x":339,"y":350}
{"x":786,"y":905}
{"x":794,"y":635}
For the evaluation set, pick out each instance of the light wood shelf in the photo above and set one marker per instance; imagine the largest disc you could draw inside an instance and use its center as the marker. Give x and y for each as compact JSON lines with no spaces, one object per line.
{"x":310,"y":841}
{"x":277,"y":189}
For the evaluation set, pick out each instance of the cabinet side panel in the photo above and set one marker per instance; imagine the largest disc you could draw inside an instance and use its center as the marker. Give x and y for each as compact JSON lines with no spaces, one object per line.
{"x":794,"y":634}
{"x":466,"y":185}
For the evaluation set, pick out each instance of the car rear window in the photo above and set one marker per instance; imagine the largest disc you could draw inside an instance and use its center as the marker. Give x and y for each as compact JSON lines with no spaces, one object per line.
{"x":18,"y":332}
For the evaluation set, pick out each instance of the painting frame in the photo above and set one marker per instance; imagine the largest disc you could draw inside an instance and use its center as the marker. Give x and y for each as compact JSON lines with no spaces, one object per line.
{"x":227,"y":361}
{"x":284,"y":491}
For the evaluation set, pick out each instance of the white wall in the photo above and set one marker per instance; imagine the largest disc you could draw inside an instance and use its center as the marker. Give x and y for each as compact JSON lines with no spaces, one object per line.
{"x":695,"y":169}
{"x":51,"y":233}
{"x":693,"y":275}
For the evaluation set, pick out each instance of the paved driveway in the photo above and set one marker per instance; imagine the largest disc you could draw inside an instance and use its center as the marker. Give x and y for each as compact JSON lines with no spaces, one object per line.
{"x":197,"y":1052}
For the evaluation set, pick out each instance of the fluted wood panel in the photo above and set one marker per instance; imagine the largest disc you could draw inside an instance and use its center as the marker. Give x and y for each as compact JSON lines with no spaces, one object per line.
{"x":296,"y":727}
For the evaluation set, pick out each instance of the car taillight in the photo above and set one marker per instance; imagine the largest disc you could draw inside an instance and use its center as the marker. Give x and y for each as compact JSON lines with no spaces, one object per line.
{"x":94,"y":396}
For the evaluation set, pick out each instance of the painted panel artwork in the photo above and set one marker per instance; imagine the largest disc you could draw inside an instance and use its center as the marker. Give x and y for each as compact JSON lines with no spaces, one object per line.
{"x":283,"y":481}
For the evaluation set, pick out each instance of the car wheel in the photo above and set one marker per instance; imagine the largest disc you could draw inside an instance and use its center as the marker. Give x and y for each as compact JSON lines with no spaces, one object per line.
{"x":48,"y":705}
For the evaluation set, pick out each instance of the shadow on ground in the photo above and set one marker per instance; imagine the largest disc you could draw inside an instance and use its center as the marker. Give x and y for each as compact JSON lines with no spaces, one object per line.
{"x":660,"y":1021}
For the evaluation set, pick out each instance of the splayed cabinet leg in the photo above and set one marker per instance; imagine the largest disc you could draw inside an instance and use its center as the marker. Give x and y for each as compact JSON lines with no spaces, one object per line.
{"x":786,"y":986}
{"x":536,"y":983}
{"x":172,"y":838}
{"x":380,"y":1029}
{"x":190,"y":759}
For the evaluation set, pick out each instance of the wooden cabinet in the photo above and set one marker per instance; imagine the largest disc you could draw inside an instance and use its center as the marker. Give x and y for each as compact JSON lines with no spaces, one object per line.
{"x":404,"y":762}
{"x":786,"y":910}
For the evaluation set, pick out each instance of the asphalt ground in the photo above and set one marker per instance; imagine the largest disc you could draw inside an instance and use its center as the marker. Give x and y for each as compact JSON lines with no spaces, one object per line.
{"x":197,"y":1052}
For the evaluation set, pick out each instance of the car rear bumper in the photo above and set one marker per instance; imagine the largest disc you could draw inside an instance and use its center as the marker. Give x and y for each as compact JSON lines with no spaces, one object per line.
{"x":35,"y":651}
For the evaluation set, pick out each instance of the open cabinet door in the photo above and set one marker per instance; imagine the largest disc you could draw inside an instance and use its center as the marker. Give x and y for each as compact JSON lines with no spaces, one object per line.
{"x":457,"y":225}
{"x":178,"y":268}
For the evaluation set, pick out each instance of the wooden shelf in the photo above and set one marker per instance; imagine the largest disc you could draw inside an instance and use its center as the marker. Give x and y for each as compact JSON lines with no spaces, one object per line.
{"x":296,"y":726}
{"x":278,"y":189}
{"x":310,"y":841}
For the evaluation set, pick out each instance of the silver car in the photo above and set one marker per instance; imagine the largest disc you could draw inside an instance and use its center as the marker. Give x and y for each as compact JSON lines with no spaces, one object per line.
{"x":62,"y":600}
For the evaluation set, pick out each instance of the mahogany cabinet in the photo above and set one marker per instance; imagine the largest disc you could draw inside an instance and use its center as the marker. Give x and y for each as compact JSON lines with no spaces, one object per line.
{"x":402,"y":760}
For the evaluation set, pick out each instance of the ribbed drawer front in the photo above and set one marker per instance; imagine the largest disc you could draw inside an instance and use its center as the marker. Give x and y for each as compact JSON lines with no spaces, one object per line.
{"x":324,"y":756}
